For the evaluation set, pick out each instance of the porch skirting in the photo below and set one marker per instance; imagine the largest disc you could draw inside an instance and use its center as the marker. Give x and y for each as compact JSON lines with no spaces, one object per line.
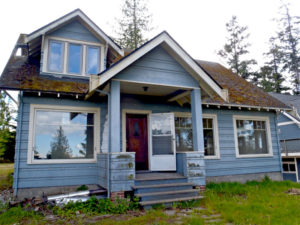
{"x":122,"y":170}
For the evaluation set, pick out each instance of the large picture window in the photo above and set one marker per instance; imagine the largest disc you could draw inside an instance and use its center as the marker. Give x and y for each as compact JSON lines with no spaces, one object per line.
{"x":184,"y":134}
{"x":252,"y":136}
{"x":62,"y":135}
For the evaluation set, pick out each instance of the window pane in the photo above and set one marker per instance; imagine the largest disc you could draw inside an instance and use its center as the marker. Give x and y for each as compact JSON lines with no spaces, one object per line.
{"x":93,"y":60}
{"x":252,"y":138}
{"x":63,"y":135}
{"x":55,"y":56}
{"x":209,"y":142}
{"x":292,"y":167}
{"x":285,"y":167}
{"x":184,"y":139}
{"x":74,"y":58}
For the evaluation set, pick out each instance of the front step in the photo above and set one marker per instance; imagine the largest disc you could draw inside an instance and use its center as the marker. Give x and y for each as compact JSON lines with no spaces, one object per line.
{"x":164,"y":189}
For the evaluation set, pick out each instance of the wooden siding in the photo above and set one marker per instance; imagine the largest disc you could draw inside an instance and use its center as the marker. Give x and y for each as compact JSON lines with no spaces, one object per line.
{"x":228,"y":164}
{"x":282,"y":118}
{"x":158,"y":67}
{"x":76,"y":31}
{"x":42,"y":175}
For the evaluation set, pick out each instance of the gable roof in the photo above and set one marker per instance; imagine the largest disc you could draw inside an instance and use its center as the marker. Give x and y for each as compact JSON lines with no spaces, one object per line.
{"x":176,"y":51}
{"x":77,"y":13}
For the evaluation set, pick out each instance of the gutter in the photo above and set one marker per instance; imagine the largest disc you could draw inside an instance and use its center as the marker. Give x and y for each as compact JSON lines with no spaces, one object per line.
{"x":278,"y":142}
{"x":18,"y":144}
{"x":109,"y":138}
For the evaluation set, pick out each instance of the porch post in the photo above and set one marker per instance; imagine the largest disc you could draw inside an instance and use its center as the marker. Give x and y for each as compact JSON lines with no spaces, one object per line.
{"x":196,"y":107}
{"x":115,"y":128}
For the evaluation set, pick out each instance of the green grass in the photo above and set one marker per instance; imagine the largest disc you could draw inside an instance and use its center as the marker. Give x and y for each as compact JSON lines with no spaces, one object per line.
{"x":265,"y":202}
{"x":6,"y":169}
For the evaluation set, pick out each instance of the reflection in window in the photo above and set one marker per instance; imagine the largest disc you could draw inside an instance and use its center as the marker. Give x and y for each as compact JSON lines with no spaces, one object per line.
{"x":74,"y":58}
{"x":184,"y":135}
{"x":63,"y":135}
{"x":92,"y":60}
{"x":55,"y":63}
{"x":252,"y":137}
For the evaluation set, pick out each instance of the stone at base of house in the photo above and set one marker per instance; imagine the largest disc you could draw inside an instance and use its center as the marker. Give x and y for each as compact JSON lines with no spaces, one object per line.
{"x":117,"y":194}
{"x":243,"y":178}
{"x":201,"y":188}
{"x":38,"y":192}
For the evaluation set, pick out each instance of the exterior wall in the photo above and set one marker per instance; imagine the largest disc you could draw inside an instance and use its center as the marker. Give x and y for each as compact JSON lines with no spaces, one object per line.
{"x":76,"y":31}
{"x":158,"y":67}
{"x":228,"y":164}
{"x":289,"y":176}
{"x":48,"y":175}
{"x":289,"y":132}
{"x":282,"y":118}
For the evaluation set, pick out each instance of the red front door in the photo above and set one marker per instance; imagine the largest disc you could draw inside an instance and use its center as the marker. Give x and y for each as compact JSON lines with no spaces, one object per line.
{"x":137,"y":139}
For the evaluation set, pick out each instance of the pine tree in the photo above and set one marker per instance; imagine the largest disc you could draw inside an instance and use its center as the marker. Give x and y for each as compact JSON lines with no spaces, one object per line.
{"x":7,"y":132}
{"x":270,"y":74}
{"x":236,"y":49}
{"x":60,"y":148}
{"x":289,"y":36}
{"x":135,"y":22}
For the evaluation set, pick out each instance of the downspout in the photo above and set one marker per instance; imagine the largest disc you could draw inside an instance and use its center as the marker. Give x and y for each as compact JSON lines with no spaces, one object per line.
{"x":19,"y":130}
{"x":278,"y":142}
{"x":109,"y":138}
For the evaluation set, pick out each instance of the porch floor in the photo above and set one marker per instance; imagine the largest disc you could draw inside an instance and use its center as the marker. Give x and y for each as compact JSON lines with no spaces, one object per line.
{"x":146,"y":175}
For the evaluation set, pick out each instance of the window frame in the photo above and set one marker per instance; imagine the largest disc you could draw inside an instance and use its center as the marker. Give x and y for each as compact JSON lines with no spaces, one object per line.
{"x":214,"y":117}
{"x":62,"y":58}
{"x":268,"y":133}
{"x":31,"y":135}
{"x":85,"y":44}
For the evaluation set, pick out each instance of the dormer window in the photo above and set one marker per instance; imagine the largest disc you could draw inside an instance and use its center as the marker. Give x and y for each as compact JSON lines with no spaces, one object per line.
{"x":55,"y":61}
{"x":73,"y":57}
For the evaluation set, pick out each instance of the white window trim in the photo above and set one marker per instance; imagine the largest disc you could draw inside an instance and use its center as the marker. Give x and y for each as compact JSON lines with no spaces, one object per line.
{"x":268,"y":130}
{"x":292,"y":172}
{"x":215,"y":130}
{"x":34,"y":107}
{"x":66,"y":43}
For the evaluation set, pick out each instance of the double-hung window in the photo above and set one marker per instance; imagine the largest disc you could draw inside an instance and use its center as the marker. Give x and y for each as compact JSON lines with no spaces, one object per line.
{"x":184,"y":134}
{"x":63,"y":134}
{"x":252,"y":136}
{"x":74,"y":58}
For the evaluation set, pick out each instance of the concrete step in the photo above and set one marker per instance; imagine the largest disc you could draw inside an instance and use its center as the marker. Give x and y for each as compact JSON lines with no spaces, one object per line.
{"x":167,"y":195}
{"x":149,"y":204}
{"x":161,"y":187}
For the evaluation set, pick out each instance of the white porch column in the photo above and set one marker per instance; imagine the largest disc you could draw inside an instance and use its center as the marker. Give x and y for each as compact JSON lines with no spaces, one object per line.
{"x":196,"y":107}
{"x":115,"y":128}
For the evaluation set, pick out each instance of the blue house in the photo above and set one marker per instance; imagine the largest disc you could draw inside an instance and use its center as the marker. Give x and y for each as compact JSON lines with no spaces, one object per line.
{"x":289,"y":134}
{"x":153,"y":120}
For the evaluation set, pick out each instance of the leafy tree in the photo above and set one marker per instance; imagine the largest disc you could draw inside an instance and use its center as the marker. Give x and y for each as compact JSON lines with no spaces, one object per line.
{"x":60,"y":148}
{"x":289,"y":36}
{"x":236,"y":49}
{"x":270,"y":74}
{"x":7,"y":131}
{"x":135,"y":22}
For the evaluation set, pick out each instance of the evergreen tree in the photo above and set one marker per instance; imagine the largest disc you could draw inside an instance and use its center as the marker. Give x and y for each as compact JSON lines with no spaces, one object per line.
{"x":236,"y":49}
{"x":270,"y":74}
{"x":135,"y":22}
{"x":60,"y":148}
{"x":289,"y":36}
{"x":7,"y":132}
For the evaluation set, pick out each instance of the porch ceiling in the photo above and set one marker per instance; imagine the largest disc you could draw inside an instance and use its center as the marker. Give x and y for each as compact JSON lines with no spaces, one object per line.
{"x":149,"y":89}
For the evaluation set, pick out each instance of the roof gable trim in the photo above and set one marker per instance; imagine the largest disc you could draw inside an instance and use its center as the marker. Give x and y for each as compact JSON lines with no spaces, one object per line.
{"x":69,"y":17}
{"x":163,"y":38}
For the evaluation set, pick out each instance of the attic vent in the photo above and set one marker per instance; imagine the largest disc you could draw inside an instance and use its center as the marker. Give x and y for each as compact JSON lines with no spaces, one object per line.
{"x":19,"y":52}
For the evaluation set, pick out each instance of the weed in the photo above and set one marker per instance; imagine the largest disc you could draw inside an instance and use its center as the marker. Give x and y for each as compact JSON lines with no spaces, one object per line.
{"x":82,"y":188}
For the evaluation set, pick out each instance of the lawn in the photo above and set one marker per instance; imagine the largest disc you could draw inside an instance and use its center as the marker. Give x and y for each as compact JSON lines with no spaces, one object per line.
{"x":265,"y":202}
{"x":6,"y":170}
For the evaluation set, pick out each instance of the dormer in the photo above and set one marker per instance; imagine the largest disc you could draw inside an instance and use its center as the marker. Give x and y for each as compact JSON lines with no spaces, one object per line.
{"x":72,"y":46}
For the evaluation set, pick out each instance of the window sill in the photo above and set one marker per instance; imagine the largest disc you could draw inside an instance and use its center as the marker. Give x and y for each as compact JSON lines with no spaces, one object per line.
{"x":211,"y":157}
{"x":70,"y":75}
{"x":255,"y":156}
